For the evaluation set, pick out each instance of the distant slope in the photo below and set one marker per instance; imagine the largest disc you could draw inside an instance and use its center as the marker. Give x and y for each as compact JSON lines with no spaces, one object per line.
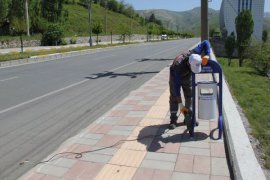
{"x":191,"y":20}
{"x":183,"y":21}
{"x":77,"y":22}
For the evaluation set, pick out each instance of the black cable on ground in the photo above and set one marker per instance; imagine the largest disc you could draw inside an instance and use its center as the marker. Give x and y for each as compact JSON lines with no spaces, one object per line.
{"x":80,"y":154}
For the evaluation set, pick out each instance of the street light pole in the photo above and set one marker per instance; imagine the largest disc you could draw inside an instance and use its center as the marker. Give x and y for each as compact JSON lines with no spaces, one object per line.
{"x":90,"y":22}
{"x":27,"y":17}
{"x":204,"y":20}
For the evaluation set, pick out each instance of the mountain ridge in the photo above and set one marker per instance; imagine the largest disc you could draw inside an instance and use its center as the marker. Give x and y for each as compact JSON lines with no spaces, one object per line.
{"x":189,"y":21}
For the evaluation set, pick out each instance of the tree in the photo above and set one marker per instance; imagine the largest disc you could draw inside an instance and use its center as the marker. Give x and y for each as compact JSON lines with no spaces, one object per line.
{"x":3,"y":11}
{"x":97,"y":29}
{"x":264,"y":36}
{"x":52,"y":10}
{"x":152,"y":18}
{"x":229,"y":47}
{"x":113,"y":5}
{"x":244,"y":29}
{"x":19,"y":27}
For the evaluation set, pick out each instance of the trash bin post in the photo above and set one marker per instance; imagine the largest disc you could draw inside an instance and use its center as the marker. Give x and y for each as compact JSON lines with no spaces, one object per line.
{"x":214,"y":68}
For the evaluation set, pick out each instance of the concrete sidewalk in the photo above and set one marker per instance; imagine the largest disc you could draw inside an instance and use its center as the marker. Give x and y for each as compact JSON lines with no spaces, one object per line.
{"x":132,"y":141}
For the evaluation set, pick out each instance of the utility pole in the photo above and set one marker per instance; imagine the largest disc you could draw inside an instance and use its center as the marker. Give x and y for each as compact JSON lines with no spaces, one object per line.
{"x":90,"y":22}
{"x":204,"y":20}
{"x":27,"y":17}
{"x":106,"y":9}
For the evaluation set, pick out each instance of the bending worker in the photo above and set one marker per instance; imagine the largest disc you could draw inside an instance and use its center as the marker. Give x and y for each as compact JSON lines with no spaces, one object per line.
{"x":180,"y":76}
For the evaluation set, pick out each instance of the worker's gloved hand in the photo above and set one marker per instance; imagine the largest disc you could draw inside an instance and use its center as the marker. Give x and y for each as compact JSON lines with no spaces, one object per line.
{"x":183,"y":109}
{"x":205,"y":60}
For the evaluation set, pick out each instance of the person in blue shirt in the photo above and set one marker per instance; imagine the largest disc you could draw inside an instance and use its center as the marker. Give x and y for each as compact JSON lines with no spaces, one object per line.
{"x":180,"y":77}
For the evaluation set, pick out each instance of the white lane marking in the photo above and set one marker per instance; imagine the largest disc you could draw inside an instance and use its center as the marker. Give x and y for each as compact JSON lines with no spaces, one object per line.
{"x":54,"y":92}
{"x":7,"y":79}
{"x":43,"y":96}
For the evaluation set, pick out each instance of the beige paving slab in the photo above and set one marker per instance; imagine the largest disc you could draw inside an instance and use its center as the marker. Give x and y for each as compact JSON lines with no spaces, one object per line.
{"x":116,"y":172}
{"x":126,"y":157}
{"x":138,"y":145}
{"x":150,"y":122}
{"x":159,"y":112}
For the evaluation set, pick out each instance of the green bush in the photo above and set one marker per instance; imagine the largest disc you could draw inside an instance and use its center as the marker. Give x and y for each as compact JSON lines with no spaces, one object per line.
{"x":72,"y":41}
{"x":53,"y":36}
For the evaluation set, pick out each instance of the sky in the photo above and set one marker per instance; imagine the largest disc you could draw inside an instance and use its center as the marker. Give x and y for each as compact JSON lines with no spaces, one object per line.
{"x":179,"y":5}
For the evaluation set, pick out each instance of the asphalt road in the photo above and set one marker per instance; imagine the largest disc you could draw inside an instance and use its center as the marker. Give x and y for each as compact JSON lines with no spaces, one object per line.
{"x":43,"y":104}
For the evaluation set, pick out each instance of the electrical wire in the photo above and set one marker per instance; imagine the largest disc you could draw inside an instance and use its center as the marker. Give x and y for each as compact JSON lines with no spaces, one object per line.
{"x":79,"y":155}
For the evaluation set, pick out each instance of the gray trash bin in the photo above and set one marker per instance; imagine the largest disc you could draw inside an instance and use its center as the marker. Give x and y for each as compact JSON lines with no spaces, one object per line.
{"x":207,"y":103}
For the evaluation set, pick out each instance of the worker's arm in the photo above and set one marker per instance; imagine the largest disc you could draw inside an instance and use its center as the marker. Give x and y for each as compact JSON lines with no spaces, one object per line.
{"x":203,"y":47}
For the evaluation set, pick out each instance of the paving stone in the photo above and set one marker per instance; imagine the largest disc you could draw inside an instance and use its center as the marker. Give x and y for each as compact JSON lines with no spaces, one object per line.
{"x":123,"y":107}
{"x":118,"y":132}
{"x":76,"y":148}
{"x":145,"y":131}
{"x":139,"y":145}
{"x":143,"y":173}
{"x":117,"y":113}
{"x":162,"y":175}
{"x":123,"y":128}
{"x":110,"y":140}
{"x":218,"y":150}
{"x":83,"y":170}
{"x":220,"y":178}
{"x":94,"y":157}
{"x":52,"y":170}
{"x":105,"y":151}
{"x":194,"y":151}
{"x":189,"y":176}
{"x":202,"y":165}
{"x":91,"y":136}
{"x":219,"y":167}
{"x":162,"y":165}
{"x":129,"y":121}
{"x":196,"y":144}
{"x":33,"y":176}
{"x":111,"y":120}
{"x":86,"y":141}
{"x":116,"y":172}
{"x":136,"y":114}
{"x":141,"y":107}
{"x":150,"y":122}
{"x":99,"y":128}
{"x":171,"y":148}
{"x":184,"y":163}
{"x":150,"y":103}
{"x":126,"y":157}
{"x":63,"y":162}
{"x":157,"y":112}
{"x":161,"y":156}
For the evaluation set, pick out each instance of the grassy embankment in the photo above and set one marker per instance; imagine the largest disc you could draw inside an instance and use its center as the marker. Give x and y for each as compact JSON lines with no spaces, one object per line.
{"x":252,"y":91}
{"x":77,"y":25}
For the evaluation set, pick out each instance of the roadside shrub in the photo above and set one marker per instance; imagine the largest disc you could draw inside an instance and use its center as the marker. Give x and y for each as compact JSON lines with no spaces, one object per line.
{"x":260,"y":55}
{"x":53,"y":36}
{"x":72,"y":41}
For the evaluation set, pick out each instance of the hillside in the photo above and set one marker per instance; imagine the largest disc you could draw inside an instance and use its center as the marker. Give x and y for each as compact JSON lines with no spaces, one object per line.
{"x":77,"y":22}
{"x":188,"y":21}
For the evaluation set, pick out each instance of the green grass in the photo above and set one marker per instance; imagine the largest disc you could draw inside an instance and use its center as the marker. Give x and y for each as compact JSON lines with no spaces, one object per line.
{"x":27,"y":54}
{"x":77,"y":23}
{"x":252,"y":91}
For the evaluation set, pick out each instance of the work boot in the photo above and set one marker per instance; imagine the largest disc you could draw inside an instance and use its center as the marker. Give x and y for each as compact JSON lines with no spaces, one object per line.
{"x":173,"y":122}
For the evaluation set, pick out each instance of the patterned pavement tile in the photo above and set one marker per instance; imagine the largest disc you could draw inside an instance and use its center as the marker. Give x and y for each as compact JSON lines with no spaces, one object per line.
{"x":83,"y":170}
{"x":184,"y":163}
{"x":126,"y":157}
{"x":116,"y":172}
